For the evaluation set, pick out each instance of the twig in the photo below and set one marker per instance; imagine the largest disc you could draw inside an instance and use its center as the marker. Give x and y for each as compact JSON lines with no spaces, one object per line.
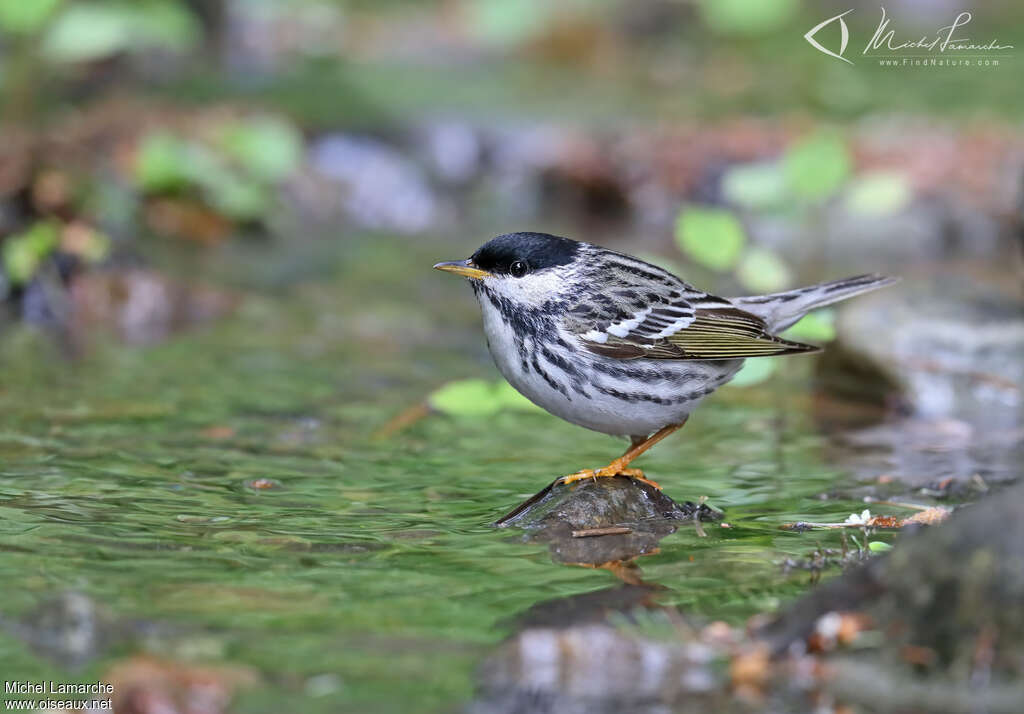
{"x":403,"y":420}
{"x":609,"y":530}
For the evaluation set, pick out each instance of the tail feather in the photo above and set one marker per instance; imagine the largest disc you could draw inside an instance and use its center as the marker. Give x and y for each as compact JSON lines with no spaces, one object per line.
{"x":780,"y":310}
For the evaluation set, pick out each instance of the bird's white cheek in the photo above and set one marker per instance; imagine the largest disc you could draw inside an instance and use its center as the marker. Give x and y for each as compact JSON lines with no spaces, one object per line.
{"x":529,"y":291}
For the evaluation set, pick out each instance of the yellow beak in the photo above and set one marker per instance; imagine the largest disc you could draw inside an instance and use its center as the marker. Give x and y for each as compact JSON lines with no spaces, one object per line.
{"x":464,"y":268}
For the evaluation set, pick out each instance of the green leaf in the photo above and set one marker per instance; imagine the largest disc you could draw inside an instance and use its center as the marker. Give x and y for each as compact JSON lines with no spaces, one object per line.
{"x":168,"y":164}
{"x":85,"y":32}
{"x":23,"y":17}
{"x":161,"y":163}
{"x":268,"y":148}
{"x":238,"y":198}
{"x":755,"y":371}
{"x":164,"y":24}
{"x":817,"y":166}
{"x":89,"y":31}
{"x":711,"y":236}
{"x":818,"y":326}
{"x":742,"y":17}
{"x":762,"y":271}
{"x":880,"y":193}
{"x":504,"y":23}
{"x":479,"y":397}
{"x":877,"y":546}
{"x":755,"y":186}
{"x":466,"y":397}
{"x":24,"y":252}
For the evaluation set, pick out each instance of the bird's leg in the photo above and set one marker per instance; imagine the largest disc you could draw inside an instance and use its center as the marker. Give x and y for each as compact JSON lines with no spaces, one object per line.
{"x":620,"y":466}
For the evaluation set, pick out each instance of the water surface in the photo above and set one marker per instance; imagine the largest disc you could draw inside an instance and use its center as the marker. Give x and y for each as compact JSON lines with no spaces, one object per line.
{"x":225,"y":485}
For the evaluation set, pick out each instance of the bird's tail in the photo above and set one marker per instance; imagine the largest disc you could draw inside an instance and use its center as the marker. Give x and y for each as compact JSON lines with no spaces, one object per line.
{"x":780,"y":310}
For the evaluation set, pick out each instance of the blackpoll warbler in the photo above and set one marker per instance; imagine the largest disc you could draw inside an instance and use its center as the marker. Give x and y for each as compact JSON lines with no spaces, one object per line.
{"x":620,"y":346}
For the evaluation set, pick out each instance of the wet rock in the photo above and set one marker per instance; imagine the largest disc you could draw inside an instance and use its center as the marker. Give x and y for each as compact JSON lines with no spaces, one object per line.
{"x":600,"y":503}
{"x":945,"y":604}
{"x":69,"y":629}
{"x":603,"y":523}
{"x":593,"y":669}
{"x":939,"y":457}
{"x":951,"y":345}
{"x":453,"y":151}
{"x":950,"y":352}
{"x":517,"y":157}
{"x":941,"y":588}
{"x":141,"y":305}
{"x":380,"y":188}
{"x":258,"y":40}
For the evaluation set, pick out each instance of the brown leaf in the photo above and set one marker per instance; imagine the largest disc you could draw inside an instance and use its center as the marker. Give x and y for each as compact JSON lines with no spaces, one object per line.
{"x":749,"y":670}
{"x":929,"y":516}
{"x":218,"y":432}
{"x":885,"y":522}
{"x":146,"y":685}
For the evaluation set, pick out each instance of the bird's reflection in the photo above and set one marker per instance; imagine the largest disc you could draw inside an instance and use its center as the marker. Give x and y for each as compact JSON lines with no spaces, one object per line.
{"x":563,"y":654}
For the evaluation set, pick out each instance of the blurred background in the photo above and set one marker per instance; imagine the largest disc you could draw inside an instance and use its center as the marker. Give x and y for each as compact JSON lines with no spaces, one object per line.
{"x":250,"y":442}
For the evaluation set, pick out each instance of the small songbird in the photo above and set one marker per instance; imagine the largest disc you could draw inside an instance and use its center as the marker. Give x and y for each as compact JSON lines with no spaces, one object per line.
{"x":620,"y":346}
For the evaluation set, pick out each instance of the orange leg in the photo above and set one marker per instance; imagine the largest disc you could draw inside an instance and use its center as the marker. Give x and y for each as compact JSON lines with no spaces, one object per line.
{"x":620,"y":467}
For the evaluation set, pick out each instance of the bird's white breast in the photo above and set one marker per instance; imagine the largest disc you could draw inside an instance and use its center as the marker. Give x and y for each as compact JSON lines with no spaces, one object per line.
{"x":597,"y":401}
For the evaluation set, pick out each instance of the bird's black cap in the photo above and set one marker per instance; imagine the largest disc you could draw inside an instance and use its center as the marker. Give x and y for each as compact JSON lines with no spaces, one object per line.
{"x":537,"y":250}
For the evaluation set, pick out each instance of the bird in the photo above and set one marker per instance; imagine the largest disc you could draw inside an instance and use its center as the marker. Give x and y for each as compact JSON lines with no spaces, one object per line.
{"x":617,"y":345}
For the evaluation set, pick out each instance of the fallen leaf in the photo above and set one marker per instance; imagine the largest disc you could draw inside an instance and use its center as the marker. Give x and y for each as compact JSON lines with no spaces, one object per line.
{"x":218,"y":432}
{"x":749,"y":671}
{"x":929,"y":516}
{"x":146,"y":685}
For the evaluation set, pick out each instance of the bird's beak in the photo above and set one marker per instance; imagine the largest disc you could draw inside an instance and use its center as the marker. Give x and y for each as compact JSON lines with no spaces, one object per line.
{"x":464,"y":268}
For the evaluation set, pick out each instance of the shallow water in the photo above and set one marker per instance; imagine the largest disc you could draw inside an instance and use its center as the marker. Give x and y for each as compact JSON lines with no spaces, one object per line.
{"x":132,"y":476}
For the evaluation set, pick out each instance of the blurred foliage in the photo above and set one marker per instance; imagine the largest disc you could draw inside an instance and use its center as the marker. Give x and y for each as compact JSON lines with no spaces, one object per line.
{"x":755,"y":371}
{"x":478,"y":397}
{"x":742,"y":17}
{"x":198,"y":181}
{"x":763,"y":271}
{"x":817,"y":326}
{"x":24,"y":252}
{"x":880,"y":193}
{"x":85,"y":31}
{"x":816,"y":166}
{"x":504,"y":23}
{"x":18,"y":17}
{"x":711,"y":236}
{"x":760,"y":187}
{"x":233,"y":172}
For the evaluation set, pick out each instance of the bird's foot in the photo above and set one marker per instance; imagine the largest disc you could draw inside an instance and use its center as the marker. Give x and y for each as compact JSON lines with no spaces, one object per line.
{"x":615,"y":468}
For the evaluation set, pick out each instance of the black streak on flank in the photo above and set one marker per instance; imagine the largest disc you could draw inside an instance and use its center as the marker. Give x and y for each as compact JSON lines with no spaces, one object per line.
{"x":547,"y":378}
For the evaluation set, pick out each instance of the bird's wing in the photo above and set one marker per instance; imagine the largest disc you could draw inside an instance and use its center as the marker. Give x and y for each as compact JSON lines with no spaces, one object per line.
{"x":671,"y":321}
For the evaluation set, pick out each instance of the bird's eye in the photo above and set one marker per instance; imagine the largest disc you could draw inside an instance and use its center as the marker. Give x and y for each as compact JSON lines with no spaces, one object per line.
{"x":518,"y":269}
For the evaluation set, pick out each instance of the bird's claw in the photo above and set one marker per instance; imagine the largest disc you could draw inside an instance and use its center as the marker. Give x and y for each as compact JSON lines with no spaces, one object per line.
{"x":607,"y":472}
